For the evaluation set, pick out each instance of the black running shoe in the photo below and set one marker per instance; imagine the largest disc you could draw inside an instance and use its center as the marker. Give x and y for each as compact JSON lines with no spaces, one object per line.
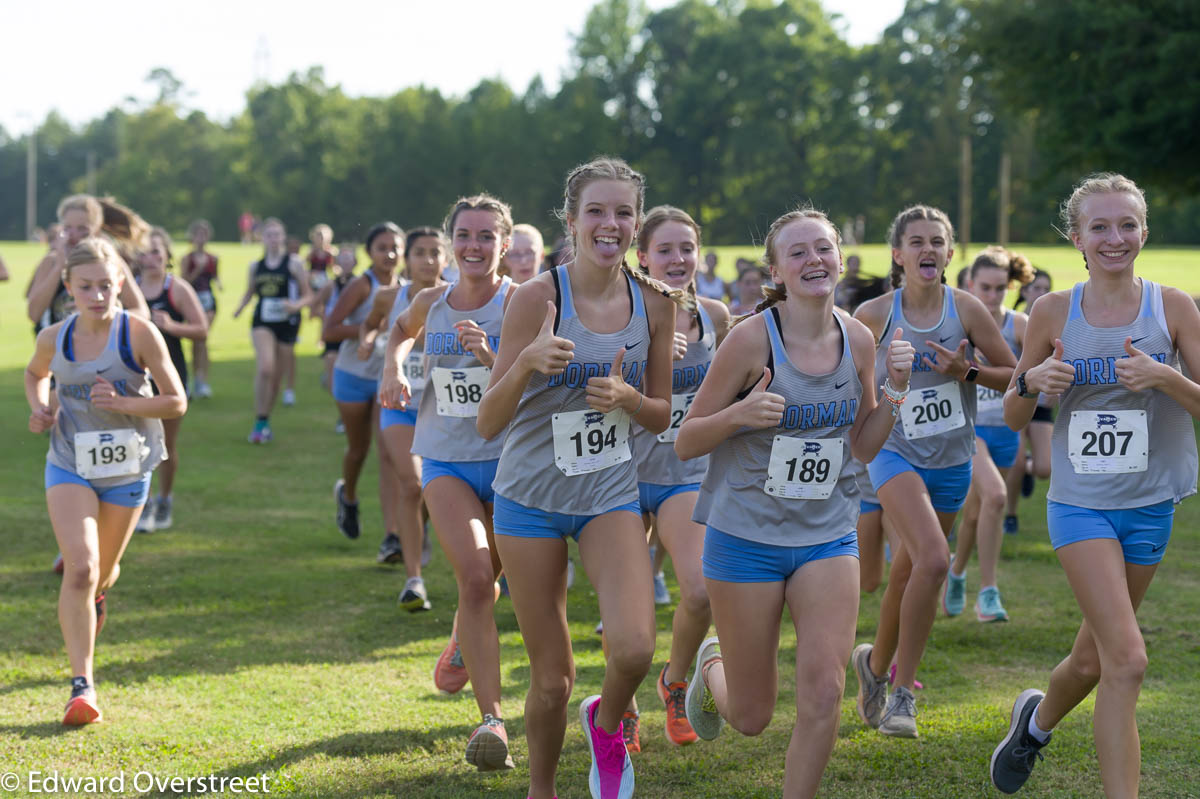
{"x":1014,"y":758}
{"x":389,"y":550}
{"x":414,"y":598}
{"x":347,"y":513}
{"x":1027,"y":484}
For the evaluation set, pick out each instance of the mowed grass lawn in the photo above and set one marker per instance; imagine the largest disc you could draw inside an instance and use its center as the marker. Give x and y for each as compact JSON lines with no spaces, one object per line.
{"x":253,"y":638}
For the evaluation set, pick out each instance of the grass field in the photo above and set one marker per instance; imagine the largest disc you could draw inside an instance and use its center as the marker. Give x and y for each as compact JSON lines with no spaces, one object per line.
{"x":252,"y":638}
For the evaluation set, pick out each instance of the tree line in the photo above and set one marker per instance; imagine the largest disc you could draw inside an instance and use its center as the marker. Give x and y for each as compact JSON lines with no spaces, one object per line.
{"x":734,"y":109}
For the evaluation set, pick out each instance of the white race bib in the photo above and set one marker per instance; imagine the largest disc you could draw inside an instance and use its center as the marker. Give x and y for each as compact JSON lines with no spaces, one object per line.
{"x":804,"y":468}
{"x":1108,"y":442}
{"x":588,"y":441}
{"x":989,"y":400}
{"x":108,"y":453}
{"x":932,"y":410}
{"x":458,"y":391}
{"x":679,"y":408}
{"x":414,"y":368}
{"x":273,"y":309}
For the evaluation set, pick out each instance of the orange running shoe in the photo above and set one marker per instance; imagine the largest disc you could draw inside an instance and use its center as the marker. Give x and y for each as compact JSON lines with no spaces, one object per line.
{"x":630,"y":727}
{"x":450,"y":673}
{"x":674,"y":696}
{"x":488,"y":748}
{"x":81,"y":708}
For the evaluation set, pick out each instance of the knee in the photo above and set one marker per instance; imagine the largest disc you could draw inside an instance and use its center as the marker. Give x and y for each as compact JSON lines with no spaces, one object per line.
{"x":1127,"y":667}
{"x":751,"y":720}
{"x":477,"y":587}
{"x":551,"y":692}
{"x":993,"y":497}
{"x":266,"y":370}
{"x":933,"y":565}
{"x":869,"y":583}
{"x":822,"y":696}
{"x":693,"y":599}
{"x":1085,"y":666}
{"x":631,"y":655}
{"x":82,"y":576}
{"x":408,"y":489}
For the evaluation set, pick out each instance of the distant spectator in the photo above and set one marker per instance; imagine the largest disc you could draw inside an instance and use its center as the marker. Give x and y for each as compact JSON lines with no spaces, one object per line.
{"x":708,"y":284}
{"x":524,"y":257}
{"x":320,"y":256}
{"x":748,"y":290}
{"x":856,"y":288}
{"x":246,"y":225}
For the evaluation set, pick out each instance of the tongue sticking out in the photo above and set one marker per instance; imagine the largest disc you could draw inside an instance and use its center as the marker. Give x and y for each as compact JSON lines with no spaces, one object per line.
{"x":607,"y":249}
{"x":928,"y":272}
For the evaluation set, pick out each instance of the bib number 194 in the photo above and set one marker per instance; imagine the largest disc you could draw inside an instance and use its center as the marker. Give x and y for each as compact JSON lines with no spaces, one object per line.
{"x":588,"y":441}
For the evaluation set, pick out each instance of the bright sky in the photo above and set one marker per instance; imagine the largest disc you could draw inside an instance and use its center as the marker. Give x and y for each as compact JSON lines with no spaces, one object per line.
{"x":82,"y":57}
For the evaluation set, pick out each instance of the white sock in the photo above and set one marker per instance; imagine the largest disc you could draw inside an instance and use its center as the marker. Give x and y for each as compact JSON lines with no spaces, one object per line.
{"x":1039,"y":735}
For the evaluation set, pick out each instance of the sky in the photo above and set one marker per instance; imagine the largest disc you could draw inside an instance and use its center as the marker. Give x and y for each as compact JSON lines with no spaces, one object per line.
{"x":85,"y":60}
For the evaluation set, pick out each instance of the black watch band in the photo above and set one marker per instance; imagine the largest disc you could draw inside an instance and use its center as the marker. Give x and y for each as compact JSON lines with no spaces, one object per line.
{"x":1022,"y":389}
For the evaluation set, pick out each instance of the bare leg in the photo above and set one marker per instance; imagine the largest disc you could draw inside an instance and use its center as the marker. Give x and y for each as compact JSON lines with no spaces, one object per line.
{"x":265,"y":348}
{"x":356,"y":416}
{"x":397,"y":440}
{"x":167,"y":469}
{"x":684,"y":539}
{"x":870,"y":550}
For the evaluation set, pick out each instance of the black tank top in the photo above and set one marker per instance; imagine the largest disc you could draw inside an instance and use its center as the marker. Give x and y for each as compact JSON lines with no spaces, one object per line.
{"x":163,"y":303}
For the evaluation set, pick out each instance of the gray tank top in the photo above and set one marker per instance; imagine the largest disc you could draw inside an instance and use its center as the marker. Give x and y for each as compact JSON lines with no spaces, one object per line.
{"x":990,"y":402}
{"x":753,"y":476}
{"x":1112,"y":447}
{"x":559,"y":455}
{"x":73,"y":383}
{"x":414,"y":364}
{"x":347,"y":356}
{"x":655,"y":453}
{"x":862,"y":479}
{"x":936,"y":428}
{"x":455,"y":381}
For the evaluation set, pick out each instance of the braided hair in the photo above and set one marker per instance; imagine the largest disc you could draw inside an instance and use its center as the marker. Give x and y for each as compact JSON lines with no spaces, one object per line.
{"x":914,"y":213}
{"x":778,"y":293}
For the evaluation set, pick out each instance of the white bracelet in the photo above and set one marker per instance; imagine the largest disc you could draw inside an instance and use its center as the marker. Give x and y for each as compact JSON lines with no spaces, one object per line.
{"x":892,"y":393}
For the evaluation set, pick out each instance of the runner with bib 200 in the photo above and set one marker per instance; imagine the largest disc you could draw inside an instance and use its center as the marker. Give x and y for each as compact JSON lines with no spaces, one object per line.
{"x":460,"y":325}
{"x":789,"y":399}
{"x":924,"y":470}
{"x":581,"y":344}
{"x":106,"y":438}
{"x":1124,"y":454}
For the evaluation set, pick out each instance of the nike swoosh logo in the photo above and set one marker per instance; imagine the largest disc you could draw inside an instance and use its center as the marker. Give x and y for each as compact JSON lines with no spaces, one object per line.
{"x":1136,"y":340}
{"x":1156,"y":548}
{"x":836,"y":386}
{"x":944,"y":340}
{"x":630,"y":347}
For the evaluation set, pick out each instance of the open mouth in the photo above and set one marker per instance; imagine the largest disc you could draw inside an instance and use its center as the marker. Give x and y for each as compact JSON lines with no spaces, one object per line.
{"x":815,"y":275}
{"x":608,"y":245}
{"x":927,"y":268}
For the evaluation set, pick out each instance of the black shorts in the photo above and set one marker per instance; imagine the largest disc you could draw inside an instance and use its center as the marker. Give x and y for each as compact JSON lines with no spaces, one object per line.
{"x":285,"y":332}
{"x":331,"y":347}
{"x":1043,"y":414}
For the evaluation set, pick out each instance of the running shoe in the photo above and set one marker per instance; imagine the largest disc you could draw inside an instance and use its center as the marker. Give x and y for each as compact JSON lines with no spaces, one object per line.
{"x":389,"y":550}
{"x":502,"y":584}
{"x":600,"y":627}
{"x":900,"y":716}
{"x":450,"y":673}
{"x":1027,"y":480}
{"x":917,"y":684}
{"x":261,"y":433}
{"x":872,"y":690}
{"x":101,"y":612}
{"x":954,"y":592}
{"x":611,"y":775}
{"x":988,"y":607}
{"x":631,"y":726}
{"x":203,"y":390}
{"x":289,"y":398}
{"x":487,"y":750}
{"x":58,"y":565}
{"x":674,"y":698}
{"x":162,"y":513}
{"x":340,"y":427}
{"x":81,"y":707}
{"x":1010,"y":525}
{"x":347,"y":512}
{"x":145,"y":522}
{"x":413,"y":598}
{"x":700,"y":707}
{"x":264,"y":434}
{"x":661,"y":595}
{"x":1018,"y":753}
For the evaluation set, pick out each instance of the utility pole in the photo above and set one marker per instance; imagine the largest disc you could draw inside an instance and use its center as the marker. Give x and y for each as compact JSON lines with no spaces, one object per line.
{"x":964,"y":196}
{"x":31,"y":185}
{"x":1005,"y":198}
{"x":91,"y":173}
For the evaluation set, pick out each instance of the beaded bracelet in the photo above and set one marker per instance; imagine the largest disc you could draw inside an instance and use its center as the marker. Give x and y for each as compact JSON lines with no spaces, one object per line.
{"x":894,"y":397}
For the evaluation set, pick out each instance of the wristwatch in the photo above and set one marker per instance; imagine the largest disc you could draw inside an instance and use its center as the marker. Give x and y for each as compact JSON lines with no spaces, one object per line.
{"x":972,"y":372}
{"x":1022,"y":389}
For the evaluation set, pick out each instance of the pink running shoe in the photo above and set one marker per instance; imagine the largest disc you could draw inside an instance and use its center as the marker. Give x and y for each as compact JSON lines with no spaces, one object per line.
{"x":611,"y":775}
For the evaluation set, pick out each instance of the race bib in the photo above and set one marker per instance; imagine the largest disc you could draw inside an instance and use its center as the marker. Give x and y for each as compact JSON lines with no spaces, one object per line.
{"x":932,"y":410}
{"x":458,"y":391}
{"x":679,"y":408}
{"x":273,"y":309}
{"x":414,"y":368}
{"x":989,"y":401}
{"x":1108,"y":442}
{"x":804,"y":468}
{"x":588,"y":441}
{"x":108,"y":453}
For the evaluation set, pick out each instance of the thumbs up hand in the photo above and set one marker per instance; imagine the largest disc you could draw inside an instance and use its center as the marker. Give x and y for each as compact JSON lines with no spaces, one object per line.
{"x":606,"y":393}
{"x":548,"y":353}
{"x":1052,"y":376}
{"x":1139,"y":371}
{"x":760,"y":408}
{"x":899,"y":360}
{"x":475,"y":341}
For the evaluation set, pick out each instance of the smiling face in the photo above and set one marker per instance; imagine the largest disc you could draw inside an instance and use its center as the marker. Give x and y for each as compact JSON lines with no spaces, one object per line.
{"x":989,"y":284}
{"x":426,"y":259}
{"x":606,"y":224}
{"x":94,"y":287}
{"x":524,"y":257}
{"x":925,"y":249}
{"x":478,"y":241}
{"x":671,"y":255}
{"x":806,"y":259}
{"x":385,"y":251}
{"x":154,"y":259}
{"x":273,"y":236}
{"x":1110,"y":231}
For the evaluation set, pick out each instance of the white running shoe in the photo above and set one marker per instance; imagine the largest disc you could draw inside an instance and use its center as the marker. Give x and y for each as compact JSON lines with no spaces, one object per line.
{"x":145,"y":524}
{"x":289,"y":398}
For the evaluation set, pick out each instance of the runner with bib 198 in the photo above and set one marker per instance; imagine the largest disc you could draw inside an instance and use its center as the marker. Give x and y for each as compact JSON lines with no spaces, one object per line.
{"x":789,"y":399}
{"x":581,"y":343}
{"x":924,"y":470}
{"x":1124,"y":454}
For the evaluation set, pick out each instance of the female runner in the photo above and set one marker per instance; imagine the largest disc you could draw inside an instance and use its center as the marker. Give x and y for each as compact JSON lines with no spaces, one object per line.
{"x":199,"y":268}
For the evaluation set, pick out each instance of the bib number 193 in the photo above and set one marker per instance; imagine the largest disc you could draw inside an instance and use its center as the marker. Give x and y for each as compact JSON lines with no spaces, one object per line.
{"x":108,"y":453}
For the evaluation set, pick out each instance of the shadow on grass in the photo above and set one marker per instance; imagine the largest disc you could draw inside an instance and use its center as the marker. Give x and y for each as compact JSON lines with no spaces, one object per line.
{"x":45,"y":729}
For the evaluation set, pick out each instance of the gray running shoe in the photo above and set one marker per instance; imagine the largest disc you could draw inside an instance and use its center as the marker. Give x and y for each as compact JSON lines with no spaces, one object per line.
{"x":1015,"y":757}
{"x":389,"y":550}
{"x":162,"y":513}
{"x":414,"y":598}
{"x":872,"y":690}
{"x":662,"y":596}
{"x":701,"y":707}
{"x":145,"y":522}
{"x":900,"y":715}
